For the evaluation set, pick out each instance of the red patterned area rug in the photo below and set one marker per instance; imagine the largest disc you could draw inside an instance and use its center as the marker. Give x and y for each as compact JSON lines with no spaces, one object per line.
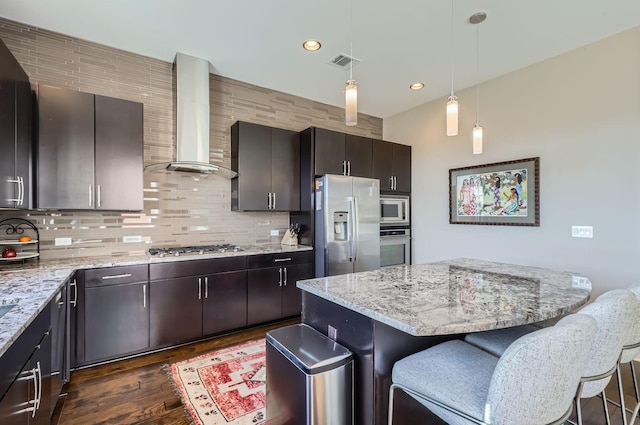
{"x":225,"y":386}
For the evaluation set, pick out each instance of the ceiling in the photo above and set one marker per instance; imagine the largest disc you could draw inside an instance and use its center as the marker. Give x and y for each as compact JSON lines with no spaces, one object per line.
{"x":399,"y":42}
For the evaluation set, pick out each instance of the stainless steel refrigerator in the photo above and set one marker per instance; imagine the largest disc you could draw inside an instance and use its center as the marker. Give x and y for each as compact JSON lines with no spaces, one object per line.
{"x":347,"y":225}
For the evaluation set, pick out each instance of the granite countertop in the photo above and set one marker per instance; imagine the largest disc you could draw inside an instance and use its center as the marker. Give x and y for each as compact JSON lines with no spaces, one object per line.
{"x":33,"y":284}
{"x":455,"y":296}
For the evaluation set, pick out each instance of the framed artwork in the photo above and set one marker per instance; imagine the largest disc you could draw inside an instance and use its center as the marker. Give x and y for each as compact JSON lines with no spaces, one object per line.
{"x":503,"y":193}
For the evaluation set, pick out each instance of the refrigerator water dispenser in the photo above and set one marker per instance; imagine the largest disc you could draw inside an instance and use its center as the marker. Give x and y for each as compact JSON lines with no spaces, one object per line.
{"x":340,"y":226}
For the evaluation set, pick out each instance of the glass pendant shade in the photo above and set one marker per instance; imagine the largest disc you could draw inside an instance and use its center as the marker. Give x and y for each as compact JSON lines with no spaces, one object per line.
{"x":477,"y":138}
{"x":452,"y":116}
{"x":351,"y":103}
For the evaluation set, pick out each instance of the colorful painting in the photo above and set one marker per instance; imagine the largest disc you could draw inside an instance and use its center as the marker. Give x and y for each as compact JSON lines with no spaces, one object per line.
{"x":500,"y":193}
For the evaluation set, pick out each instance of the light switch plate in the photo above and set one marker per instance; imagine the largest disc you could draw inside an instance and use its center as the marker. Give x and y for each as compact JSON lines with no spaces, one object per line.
{"x":63,"y":241}
{"x":582,"y":231}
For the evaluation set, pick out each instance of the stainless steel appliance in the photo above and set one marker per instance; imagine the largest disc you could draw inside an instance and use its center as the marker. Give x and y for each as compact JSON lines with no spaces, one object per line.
{"x":394,"y":210}
{"x":347,"y":230}
{"x":395,"y":246}
{"x":314,"y":378}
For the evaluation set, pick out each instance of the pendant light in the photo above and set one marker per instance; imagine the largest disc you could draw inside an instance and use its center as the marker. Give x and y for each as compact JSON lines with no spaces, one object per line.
{"x":351,"y":91}
{"x":476,"y":19}
{"x":452,"y":101}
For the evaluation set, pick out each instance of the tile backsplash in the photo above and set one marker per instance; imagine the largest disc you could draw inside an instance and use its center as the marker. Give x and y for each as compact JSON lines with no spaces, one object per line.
{"x":179,"y":209}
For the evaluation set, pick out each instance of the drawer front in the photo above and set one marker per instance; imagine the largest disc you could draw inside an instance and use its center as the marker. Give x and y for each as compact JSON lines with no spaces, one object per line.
{"x":175,"y":269}
{"x":282,"y":259}
{"x":116,"y":275}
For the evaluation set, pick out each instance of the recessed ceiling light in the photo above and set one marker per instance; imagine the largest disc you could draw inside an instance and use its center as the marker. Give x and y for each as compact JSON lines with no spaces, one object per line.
{"x":416,"y":86}
{"x":311,"y":45}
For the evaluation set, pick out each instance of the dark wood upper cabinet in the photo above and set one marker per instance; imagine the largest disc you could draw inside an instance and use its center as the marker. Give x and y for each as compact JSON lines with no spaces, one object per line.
{"x":342,"y":154}
{"x":66,"y":149}
{"x":89,"y":151}
{"x":268,"y":164}
{"x":15,"y":133}
{"x":358,"y":154}
{"x":392,"y":166}
{"x":119,"y":154}
{"x":329,"y":152}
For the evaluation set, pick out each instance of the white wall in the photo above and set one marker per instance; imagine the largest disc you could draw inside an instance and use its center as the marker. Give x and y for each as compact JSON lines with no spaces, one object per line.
{"x":580,"y":113}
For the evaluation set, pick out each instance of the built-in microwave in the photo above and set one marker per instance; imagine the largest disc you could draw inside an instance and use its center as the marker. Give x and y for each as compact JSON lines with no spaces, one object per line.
{"x":394,"y":210}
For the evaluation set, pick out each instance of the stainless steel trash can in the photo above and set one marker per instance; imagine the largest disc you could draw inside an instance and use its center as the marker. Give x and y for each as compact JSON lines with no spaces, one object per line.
{"x":309,"y":378}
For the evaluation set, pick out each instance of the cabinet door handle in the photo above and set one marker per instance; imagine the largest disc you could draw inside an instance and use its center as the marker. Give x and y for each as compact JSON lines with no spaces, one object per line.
{"x":395,"y":182}
{"x":206,"y":288}
{"x":116,"y":276}
{"x":90,"y":195}
{"x":17,"y":198}
{"x":33,"y":402}
{"x":274,"y":201}
{"x":20,"y":190}
{"x":344,"y":168}
{"x":348,"y":168}
{"x":144,"y":295}
{"x":199,"y":288}
{"x":99,"y":202}
{"x":280,"y":260}
{"x":280,"y":281}
{"x":285,"y":276}
{"x":74,"y":285}
{"x":269,"y":201}
{"x":39,"y":397}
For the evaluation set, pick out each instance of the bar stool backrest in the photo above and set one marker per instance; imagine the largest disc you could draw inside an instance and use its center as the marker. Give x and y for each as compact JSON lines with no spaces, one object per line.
{"x":536,"y":378}
{"x":611,"y":311}
{"x":633,"y":337}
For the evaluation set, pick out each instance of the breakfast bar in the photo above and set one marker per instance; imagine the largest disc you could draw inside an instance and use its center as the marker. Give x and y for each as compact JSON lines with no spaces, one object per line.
{"x":387,"y":314}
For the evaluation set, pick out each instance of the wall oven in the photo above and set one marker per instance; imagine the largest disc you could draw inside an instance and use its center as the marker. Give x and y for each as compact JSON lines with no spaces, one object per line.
{"x":394,"y":210}
{"x":395,"y":246}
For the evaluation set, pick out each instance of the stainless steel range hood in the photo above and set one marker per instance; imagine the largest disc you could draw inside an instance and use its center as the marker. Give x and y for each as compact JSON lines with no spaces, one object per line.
{"x":192,"y":120}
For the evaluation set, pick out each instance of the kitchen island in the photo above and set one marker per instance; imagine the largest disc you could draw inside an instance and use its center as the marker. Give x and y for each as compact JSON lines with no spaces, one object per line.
{"x":387,"y":314}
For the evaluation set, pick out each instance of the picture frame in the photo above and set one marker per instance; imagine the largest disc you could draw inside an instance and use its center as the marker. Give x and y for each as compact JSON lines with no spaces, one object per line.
{"x":500,"y":194}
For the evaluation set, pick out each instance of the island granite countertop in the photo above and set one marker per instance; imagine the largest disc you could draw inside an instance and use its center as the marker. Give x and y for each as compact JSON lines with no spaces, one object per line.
{"x":30,"y":286}
{"x":455,"y":296}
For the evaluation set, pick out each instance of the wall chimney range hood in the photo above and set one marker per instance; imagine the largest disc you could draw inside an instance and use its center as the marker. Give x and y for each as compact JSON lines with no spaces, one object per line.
{"x":192,"y":120}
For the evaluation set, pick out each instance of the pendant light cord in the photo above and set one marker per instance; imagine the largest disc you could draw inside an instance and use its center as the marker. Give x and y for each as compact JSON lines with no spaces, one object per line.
{"x":451,"y":47}
{"x":351,"y":39}
{"x":478,"y":72}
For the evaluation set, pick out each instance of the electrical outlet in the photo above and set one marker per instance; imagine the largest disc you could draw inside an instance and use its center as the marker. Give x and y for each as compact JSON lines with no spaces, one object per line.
{"x":131,"y":239}
{"x":63,"y":242}
{"x":582,"y":231}
{"x":332,"y":332}
{"x":275,"y":232}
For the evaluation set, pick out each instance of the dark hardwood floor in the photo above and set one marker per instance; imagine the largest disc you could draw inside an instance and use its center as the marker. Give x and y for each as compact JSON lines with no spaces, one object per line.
{"x":138,"y":391}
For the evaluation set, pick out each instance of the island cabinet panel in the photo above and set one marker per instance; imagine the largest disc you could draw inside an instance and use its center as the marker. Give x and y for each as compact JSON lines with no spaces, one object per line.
{"x":194,"y":299}
{"x":88,"y":146}
{"x":271,"y":281}
{"x":267,"y":160}
{"x":342,"y":154}
{"x":26,"y":375}
{"x":392,"y":166}
{"x":116,"y":312}
{"x":15,"y":133}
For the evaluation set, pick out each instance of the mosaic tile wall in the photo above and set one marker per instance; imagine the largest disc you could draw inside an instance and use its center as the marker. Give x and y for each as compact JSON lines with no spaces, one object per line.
{"x":179,"y":209}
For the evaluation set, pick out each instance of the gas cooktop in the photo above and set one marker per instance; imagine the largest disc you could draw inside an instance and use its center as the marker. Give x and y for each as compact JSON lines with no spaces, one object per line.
{"x":198,"y":249}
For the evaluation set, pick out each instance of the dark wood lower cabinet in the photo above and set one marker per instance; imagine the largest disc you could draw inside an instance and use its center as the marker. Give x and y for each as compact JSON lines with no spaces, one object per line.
{"x":189,"y":308}
{"x":176,"y":311}
{"x":116,"y":321}
{"x":225,"y":304}
{"x":28,"y":397}
{"x":272,"y":292}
